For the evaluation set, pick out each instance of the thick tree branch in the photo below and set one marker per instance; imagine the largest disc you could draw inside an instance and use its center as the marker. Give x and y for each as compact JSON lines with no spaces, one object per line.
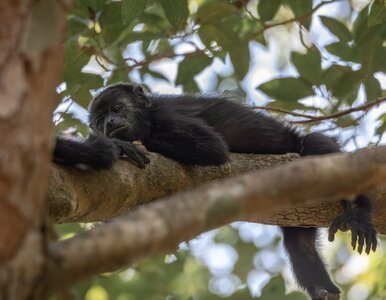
{"x":160,"y":226}
{"x":79,"y":196}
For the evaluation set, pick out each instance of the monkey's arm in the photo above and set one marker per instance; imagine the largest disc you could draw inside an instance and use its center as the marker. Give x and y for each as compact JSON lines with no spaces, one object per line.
{"x":95,"y":152}
{"x":187,"y":140}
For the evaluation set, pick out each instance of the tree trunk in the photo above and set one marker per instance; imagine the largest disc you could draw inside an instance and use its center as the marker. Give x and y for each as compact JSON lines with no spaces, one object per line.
{"x":31,"y":57}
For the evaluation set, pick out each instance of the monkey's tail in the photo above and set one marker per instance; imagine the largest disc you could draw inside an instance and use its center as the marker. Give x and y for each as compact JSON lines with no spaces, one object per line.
{"x":300,"y":243}
{"x":308,"y":267}
{"x":95,"y":152}
{"x":316,"y":144}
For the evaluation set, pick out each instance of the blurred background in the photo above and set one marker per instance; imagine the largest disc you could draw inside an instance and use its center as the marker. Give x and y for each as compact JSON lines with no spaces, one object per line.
{"x":300,"y":59}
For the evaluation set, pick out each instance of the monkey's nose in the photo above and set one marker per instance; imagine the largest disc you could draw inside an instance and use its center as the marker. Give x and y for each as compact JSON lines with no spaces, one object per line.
{"x":109,"y":127}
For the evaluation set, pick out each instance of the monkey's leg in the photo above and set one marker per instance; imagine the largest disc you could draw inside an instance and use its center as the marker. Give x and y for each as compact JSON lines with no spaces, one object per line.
{"x":356,"y":218}
{"x":187,"y":140}
{"x":357,"y":215}
{"x":308,"y":267}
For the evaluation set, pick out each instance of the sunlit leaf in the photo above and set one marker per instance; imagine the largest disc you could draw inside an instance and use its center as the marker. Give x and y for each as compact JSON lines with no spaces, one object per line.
{"x":301,"y":9}
{"x":131,"y":9}
{"x":344,"y":51}
{"x":373,"y":88}
{"x":286,"y":89}
{"x":337,"y":28}
{"x":110,"y":21}
{"x":191,"y":66}
{"x":308,"y":65}
{"x":377,"y":13}
{"x":268,"y":8}
{"x":214,"y":11}
{"x":176,"y":11}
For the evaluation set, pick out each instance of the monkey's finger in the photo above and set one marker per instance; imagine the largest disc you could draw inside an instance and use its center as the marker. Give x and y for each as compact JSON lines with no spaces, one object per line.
{"x":368,"y":243}
{"x":144,"y":159}
{"x":334,"y":227}
{"x":354,"y":236}
{"x":144,"y":154}
{"x":136,"y":155}
{"x":133,"y":156}
{"x":374,"y":241}
{"x":361,"y":241}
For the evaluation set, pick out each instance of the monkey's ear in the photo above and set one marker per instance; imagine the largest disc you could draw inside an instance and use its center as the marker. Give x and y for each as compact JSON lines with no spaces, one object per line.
{"x":140,"y":96}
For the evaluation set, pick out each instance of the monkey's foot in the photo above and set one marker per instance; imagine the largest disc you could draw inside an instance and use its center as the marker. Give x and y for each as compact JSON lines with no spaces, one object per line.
{"x":362,"y":229}
{"x":323,"y":294}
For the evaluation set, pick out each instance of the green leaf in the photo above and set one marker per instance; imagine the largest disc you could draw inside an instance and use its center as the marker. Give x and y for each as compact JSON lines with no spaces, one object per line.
{"x":74,"y":61}
{"x":190,"y":67}
{"x":373,"y":89}
{"x":157,"y":75}
{"x":377,"y":13}
{"x":344,"y":51}
{"x":372,"y":54}
{"x":268,"y":8}
{"x":214,"y":11}
{"x":110,"y":22}
{"x":131,"y":9}
{"x":342,"y":82}
{"x":176,"y":11}
{"x":308,"y":65}
{"x":303,"y":9}
{"x":359,"y":29}
{"x":275,"y":289}
{"x":286,"y":89}
{"x":224,"y":34}
{"x":337,"y":28}
{"x":333,"y":74}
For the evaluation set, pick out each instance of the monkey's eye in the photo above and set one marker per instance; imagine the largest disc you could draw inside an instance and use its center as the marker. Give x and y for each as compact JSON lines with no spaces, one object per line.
{"x":116,"y":109}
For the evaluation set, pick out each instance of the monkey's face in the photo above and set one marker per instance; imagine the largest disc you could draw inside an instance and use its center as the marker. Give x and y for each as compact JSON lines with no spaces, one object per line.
{"x":118,"y":112}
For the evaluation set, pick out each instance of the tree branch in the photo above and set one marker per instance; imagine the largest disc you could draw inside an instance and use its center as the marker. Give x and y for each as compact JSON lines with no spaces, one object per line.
{"x":160,"y":226}
{"x":79,"y":196}
{"x":314,"y":119}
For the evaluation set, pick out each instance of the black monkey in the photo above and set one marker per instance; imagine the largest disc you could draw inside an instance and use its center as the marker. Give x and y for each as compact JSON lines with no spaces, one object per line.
{"x":96,"y":152}
{"x":202,"y":129}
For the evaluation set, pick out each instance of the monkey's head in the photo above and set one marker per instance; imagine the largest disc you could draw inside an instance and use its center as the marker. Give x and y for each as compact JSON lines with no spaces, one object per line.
{"x":120,"y":111}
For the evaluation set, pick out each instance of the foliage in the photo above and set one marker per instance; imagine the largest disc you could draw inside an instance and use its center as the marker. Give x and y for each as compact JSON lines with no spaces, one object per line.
{"x":113,"y":41}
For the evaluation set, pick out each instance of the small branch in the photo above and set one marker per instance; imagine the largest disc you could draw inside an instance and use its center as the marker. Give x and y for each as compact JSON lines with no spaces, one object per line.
{"x":363,"y":107}
{"x":313,"y":119}
{"x":283,"y":111}
{"x":160,"y":226}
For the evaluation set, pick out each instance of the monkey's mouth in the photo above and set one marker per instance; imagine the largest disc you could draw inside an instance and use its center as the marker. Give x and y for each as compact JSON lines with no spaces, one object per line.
{"x":122,"y":133}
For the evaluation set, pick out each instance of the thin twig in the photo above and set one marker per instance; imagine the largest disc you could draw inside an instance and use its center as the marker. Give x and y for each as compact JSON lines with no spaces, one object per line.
{"x":97,"y":59}
{"x":311,"y":118}
{"x":363,"y":107}
{"x":283,"y":111}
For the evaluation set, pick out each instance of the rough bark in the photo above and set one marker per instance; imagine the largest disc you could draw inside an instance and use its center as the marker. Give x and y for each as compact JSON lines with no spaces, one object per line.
{"x":30,"y":67}
{"x":89,"y":196}
{"x":159,"y":226}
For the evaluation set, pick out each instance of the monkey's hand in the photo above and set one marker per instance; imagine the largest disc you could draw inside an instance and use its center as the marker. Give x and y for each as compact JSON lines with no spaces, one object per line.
{"x":358,"y":221}
{"x":323,"y":294}
{"x":133,"y":153}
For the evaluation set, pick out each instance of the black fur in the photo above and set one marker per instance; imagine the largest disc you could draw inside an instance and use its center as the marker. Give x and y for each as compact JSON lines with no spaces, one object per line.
{"x":96,"y":152}
{"x":201,"y":130}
